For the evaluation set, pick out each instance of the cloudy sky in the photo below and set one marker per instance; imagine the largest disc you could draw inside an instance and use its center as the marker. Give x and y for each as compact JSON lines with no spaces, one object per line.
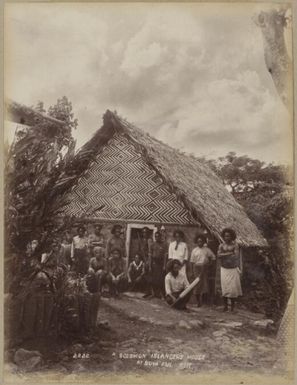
{"x":191,"y":75}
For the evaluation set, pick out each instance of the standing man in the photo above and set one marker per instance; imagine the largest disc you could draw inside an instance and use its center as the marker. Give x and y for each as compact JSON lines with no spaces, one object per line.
{"x":142,"y":250}
{"x":80,"y":251}
{"x":96,"y":239}
{"x":157,"y":262}
{"x":175,"y":284}
{"x":143,"y":244}
{"x":115,"y":242}
{"x":66,"y":249}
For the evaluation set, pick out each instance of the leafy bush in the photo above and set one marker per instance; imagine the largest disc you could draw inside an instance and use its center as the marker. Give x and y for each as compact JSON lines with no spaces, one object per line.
{"x":34,"y":162}
{"x":266,"y":193}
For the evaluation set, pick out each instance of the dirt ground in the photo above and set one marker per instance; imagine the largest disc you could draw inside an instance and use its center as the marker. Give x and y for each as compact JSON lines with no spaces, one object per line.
{"x":146,"y":336}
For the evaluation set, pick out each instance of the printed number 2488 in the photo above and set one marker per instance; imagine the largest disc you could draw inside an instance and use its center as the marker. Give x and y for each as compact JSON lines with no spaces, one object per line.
{"x":81,"y":355}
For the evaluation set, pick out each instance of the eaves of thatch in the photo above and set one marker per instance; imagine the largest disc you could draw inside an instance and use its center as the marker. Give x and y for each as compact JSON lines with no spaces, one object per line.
{"x":201,"y":191}
{"x":16,"y":112}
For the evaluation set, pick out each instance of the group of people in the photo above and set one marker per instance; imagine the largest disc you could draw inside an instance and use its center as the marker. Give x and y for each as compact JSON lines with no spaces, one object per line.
{"x":158,"y":269}
{"x":102,"y":262}
{"x":176,"y":281}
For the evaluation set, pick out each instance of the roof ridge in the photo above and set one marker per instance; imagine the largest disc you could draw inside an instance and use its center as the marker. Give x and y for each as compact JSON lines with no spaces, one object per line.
{"x":183,"y":153}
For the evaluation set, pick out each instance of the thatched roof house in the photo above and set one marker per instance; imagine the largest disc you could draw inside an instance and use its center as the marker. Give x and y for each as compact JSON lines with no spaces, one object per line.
{"x":123,"y":174}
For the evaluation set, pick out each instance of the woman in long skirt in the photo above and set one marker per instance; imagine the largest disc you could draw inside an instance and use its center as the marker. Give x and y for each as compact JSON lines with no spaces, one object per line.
{"x":228,"y":253}
{"x":201,"y":257}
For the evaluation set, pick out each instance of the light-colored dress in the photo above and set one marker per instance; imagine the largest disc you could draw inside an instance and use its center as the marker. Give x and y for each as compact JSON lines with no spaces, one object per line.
{"x":200,"y":258}
{"x":230,"y":271}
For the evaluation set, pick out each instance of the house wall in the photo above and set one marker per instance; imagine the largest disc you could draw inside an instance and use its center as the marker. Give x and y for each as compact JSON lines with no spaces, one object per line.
{"x":119,"y":185}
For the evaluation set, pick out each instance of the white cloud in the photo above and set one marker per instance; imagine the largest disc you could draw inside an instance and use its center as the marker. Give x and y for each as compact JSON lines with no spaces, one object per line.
{"x":232,"y":114}
{"x":139,"y":58}
{"x":189,"y":75}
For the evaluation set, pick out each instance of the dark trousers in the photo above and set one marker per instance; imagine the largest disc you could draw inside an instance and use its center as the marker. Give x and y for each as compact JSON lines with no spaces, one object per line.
{"x":181,"y":304}
{"x":137,"y":283}
{"x":81,"y":261}
{"x":157,"y":277}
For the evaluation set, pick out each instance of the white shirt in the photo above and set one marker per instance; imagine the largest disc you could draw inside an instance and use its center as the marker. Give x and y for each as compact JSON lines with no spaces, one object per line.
{"x":202,"y":255}
{"x":78,"y":243}
{"x":175,"y":284}
{"x":181,"y":253}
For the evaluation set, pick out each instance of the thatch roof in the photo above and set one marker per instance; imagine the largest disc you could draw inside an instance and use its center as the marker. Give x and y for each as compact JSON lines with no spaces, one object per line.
{"x":15,"y":112}
{"x":201,"y":191}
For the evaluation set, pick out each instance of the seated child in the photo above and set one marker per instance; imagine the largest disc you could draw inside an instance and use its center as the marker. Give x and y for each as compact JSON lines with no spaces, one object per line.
{"x":136,"y":274}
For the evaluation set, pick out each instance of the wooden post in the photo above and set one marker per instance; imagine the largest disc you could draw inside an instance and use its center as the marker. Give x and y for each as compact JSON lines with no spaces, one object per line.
{"x":241,"y":259}
{"x":186,"y":291}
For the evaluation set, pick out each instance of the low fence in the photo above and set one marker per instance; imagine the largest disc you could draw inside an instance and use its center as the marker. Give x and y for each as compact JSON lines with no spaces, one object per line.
{"x":49,"y":315}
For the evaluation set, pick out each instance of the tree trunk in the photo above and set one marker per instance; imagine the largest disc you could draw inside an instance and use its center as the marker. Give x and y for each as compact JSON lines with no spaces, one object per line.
{"x":278,"y":62}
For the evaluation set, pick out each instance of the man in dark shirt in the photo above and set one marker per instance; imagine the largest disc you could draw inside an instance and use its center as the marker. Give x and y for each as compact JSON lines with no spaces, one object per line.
{"x":157,"y":262}
{"x":142,"y":250}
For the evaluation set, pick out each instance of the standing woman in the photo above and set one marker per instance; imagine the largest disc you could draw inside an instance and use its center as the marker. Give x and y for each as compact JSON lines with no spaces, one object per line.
{"x":228,"y":253}
{"x":201,"y":257}
{"x":178,"y":249}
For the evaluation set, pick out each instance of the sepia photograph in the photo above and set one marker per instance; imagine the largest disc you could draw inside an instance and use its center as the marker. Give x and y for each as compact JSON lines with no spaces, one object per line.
{"x":148,"y":193}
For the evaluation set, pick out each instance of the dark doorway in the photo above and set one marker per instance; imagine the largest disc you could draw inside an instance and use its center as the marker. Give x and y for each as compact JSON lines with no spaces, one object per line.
{"x":134,"y":241}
